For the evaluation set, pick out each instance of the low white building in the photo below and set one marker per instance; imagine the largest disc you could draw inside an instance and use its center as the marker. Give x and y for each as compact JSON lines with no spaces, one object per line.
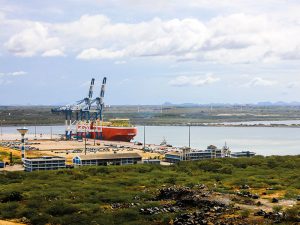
{"x":44,"y":163}
{"x":188,"y":154}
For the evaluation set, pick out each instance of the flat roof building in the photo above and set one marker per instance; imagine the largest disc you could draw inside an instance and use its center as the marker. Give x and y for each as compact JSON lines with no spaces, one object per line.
{"x":44,"y":163}
{"x":151,"y":161}
{"x":173,"y":157}
{"x":107,"y":159}
{"x":189,"y":155}
{"x":242,"y":154}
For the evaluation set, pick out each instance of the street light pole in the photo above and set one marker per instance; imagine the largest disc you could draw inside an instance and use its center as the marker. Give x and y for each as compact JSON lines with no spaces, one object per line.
{"x":189,"y":135}
{"x":35,"y":131}
{"x":85,"y":141}
{"x":144,"y":137}
{"x":94,"y":136}
{"x":51,"y":132}
{"x":1,"y":130}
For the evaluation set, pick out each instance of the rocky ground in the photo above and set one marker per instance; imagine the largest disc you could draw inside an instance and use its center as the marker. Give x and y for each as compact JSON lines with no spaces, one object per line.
{"x":203,"y":206}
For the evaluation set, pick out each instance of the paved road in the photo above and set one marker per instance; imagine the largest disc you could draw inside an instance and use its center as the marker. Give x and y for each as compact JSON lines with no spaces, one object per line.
{"x":12,"y":168}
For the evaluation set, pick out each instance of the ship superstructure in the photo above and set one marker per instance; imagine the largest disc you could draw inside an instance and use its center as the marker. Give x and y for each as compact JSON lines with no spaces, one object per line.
{"x":88,"y":119}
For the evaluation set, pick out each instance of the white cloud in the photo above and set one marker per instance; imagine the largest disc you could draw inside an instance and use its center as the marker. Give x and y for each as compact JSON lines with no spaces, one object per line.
{"x":230,"y":38}
{"x":6,"y":78}
{"x":193,"y":80}
{"x":32,"y":41}
{"x":16,"y":73}
{"x":53,"y":52}
{"x":93,"y":53}
{"x":258,"y":81}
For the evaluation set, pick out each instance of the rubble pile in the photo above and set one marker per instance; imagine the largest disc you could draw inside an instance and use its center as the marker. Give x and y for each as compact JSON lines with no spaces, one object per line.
{"x":157,"y":210}
{"x":199,"y":206}
{"x":276,"y":217}
{"x":184,"y":197}
{"x":199,"y":202}
{"x":174,"y":193}
{"x":124,"y":205}
{"x":244,"y":186}
{"x":207,"y":209}
{"x":247,"y":194}
{"x":200,"y":218}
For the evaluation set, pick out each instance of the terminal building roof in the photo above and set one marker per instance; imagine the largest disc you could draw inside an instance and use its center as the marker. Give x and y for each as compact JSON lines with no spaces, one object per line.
{"x":110,"y":156}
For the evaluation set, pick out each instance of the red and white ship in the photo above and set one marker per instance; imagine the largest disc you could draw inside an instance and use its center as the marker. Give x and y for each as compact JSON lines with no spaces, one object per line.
{"x":114,"y":130}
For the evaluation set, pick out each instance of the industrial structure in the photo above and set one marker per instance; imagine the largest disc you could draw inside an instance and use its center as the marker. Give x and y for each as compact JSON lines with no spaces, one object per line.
{"x":88,"y":121}
{"x":107,"y":159}
{"x":23,"y":131}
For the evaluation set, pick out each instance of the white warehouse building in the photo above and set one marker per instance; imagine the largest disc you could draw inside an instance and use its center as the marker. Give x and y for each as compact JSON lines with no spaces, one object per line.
{"x":44,"y":163}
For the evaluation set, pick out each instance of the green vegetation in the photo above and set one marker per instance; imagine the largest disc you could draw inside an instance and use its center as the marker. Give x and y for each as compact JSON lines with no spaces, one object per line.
{"x":85,"y":195}
{"x":156,"y":115}
{"x":245,"y":213}
{"x":8,"y":157}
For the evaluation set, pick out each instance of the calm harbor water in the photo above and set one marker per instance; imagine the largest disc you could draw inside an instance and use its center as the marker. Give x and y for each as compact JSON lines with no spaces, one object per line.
{"x":262,"y":140}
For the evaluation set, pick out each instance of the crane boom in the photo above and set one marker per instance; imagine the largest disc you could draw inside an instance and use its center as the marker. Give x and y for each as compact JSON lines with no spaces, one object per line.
{"x":100,"y":101}
{"x":91,"y":88}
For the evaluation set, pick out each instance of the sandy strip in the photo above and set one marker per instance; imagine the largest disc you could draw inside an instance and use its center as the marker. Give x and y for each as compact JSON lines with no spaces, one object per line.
{"x":4,"y":222}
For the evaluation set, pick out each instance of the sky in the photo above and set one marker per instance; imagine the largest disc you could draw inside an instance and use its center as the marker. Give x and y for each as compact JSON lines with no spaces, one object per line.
{"x":199,"y":51}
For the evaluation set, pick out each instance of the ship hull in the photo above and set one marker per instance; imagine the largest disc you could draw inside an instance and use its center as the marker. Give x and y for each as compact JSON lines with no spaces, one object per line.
{"x":110,"y":133}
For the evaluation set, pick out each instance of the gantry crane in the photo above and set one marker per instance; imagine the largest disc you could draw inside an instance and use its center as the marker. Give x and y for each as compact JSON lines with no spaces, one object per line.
{"x":83,"y":109}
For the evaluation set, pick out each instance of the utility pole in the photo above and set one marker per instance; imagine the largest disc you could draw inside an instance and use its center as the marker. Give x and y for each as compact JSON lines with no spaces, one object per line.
{"x":1,"y":129}
{"x":85,"y":141}
{"x":189,"y":135}
{"x":94,"y":136}
{"x":35,"y":131}
{"x":10,"y":158}
{"x":144,"y":137}
{"x":51,"y":132}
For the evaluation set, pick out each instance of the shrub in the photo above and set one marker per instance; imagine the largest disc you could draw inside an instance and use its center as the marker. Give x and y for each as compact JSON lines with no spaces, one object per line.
{"x":129,"y":215}
{"x":291,"y":193}
{"x":13,"y":196}
{"x":227,"y":169}
{"x":60,"y":208}
{"x":292,"y":214}
{"x":9,"y":209}
{"x":277,"y":208}
{"x":209,"y":166}
{"x":39,"y":219}
{"x":245,"y":213}
{"x":171,"y":180}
